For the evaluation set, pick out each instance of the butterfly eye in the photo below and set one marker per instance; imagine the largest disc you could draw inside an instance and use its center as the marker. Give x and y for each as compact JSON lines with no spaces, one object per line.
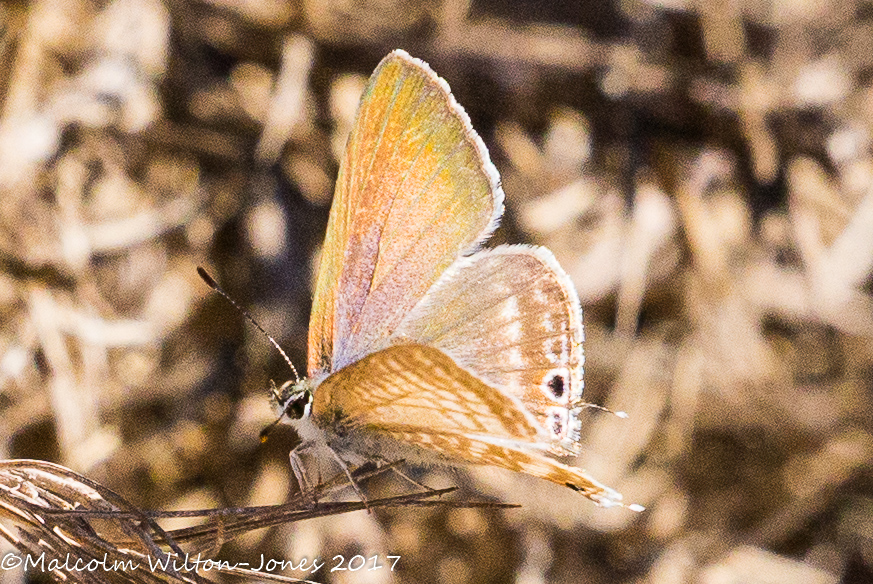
{"x":556,"y":385}
{"x":297,"y":405}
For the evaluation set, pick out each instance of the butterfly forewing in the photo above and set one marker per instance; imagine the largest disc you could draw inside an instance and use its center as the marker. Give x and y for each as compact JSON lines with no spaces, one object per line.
{"x":415,"y":191}
{"x":511,"y":316}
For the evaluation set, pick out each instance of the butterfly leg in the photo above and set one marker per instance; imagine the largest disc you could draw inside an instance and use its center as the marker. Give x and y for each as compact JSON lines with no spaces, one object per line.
{"x":297,"y":466}
{"x":352,"y":480}
{"x":405,"y":476}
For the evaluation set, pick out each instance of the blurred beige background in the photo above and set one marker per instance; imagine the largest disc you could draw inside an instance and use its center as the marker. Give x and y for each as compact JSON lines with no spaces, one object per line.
{"x":702,"y":170}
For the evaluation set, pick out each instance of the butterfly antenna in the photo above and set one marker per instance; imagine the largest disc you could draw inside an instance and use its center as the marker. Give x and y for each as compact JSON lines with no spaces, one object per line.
{"x":214,"y":285}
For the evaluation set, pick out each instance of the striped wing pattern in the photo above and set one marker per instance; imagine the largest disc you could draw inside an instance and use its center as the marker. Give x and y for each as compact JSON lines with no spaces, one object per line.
{"x":417,"y":396}
{"x":522,"y":333}
{"x":476,"y":450}
{"x":414,"y":386}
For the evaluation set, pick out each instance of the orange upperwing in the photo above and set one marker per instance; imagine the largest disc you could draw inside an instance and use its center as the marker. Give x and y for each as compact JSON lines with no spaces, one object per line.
{"x":415,"y":190}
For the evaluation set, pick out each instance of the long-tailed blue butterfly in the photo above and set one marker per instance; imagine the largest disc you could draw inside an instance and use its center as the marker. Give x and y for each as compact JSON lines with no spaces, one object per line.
{"x":423,"y":346}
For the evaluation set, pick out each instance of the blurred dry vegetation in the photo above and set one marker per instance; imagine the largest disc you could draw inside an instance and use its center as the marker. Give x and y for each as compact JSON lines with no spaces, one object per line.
{"x":703,"y":171}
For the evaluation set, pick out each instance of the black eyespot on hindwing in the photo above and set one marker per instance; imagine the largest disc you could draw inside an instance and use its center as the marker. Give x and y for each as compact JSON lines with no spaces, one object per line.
{"x":556,"y":384}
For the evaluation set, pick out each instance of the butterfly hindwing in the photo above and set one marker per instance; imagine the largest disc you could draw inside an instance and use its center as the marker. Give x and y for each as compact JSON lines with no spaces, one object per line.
{"x":481,"y":450}
{"x":511,"y":316}
{"x":415,"y":190}
{"x":416,"y":396}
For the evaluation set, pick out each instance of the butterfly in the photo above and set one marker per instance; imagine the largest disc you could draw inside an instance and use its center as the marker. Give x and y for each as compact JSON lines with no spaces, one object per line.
{"x":423,"y":345}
